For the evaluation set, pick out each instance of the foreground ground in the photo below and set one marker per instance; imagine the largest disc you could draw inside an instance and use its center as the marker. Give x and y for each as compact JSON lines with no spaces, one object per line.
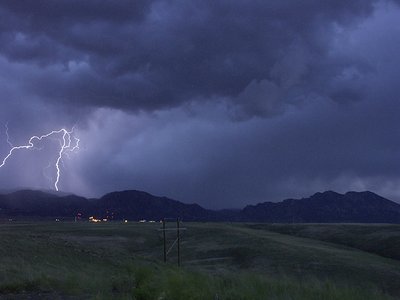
{"x":52,"y":260}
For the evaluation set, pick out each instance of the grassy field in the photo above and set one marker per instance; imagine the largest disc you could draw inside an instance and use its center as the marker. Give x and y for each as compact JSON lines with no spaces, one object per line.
{"x":52,"y":260}
{"x":382,"y":239}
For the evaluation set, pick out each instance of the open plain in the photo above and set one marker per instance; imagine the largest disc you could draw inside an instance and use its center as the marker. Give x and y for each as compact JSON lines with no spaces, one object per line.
{"x":115,"y":260}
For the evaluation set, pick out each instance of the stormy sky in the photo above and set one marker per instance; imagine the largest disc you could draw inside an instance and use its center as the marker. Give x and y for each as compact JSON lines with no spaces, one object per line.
{"x":223,"y":103}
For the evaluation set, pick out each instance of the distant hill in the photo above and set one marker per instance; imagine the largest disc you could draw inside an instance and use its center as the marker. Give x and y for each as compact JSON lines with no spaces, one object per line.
{"x":53,"y":192}
{"x":327,"y":207}
{"x":30,"y":203}
{"x":141,"y":205}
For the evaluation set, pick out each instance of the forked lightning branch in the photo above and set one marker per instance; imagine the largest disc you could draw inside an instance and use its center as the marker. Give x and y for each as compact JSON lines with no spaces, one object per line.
{"x":68,"y":143}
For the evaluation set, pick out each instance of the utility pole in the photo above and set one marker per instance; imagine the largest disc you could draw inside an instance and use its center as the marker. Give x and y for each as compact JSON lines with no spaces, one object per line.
{"x":177,"y":241}
{"x":165,"y":242}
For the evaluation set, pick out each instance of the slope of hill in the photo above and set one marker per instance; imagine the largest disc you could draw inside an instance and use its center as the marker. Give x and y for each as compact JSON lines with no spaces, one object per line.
{"x":30,"y":203}
{"x":381,"y":239}
{"x":327,"y":207}
{"x":142,"y":205}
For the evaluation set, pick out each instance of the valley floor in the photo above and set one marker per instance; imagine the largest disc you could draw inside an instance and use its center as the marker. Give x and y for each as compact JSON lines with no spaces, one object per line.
{"x":54,"y":260}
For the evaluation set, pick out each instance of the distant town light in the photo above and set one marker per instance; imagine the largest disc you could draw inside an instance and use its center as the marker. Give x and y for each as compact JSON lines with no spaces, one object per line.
{"x":94,"y":220}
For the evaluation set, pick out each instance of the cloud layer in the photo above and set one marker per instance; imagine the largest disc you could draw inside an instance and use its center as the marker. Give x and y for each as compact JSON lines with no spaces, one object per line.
{"x":223,"y":103}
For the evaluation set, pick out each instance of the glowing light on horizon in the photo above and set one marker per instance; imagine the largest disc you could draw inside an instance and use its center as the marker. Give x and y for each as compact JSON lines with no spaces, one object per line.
{"x":68,"y":143}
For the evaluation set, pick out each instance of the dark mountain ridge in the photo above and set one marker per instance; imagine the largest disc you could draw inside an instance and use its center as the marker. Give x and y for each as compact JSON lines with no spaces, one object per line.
{"x":141,"y":205}
{"x":326,"y":207}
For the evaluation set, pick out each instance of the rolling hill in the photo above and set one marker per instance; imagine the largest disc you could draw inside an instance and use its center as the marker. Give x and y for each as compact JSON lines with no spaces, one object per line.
{"x":326,"y":207}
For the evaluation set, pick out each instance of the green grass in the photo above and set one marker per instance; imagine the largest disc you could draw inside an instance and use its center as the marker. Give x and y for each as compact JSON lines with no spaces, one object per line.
{"x":219,"y":261}
{"x":382,"y":239}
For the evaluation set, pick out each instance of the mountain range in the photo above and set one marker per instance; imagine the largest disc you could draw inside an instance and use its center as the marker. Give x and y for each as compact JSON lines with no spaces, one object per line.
{"x":326,"y":207}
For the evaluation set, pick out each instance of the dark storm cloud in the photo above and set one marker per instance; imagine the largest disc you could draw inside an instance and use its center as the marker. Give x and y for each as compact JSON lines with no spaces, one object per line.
{"x":156,"y":89}
{"x":146,"y":55}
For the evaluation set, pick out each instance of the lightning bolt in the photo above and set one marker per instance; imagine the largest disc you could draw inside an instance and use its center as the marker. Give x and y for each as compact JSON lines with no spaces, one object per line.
{"x":68,"y":143}
{"x":8,"y":136}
